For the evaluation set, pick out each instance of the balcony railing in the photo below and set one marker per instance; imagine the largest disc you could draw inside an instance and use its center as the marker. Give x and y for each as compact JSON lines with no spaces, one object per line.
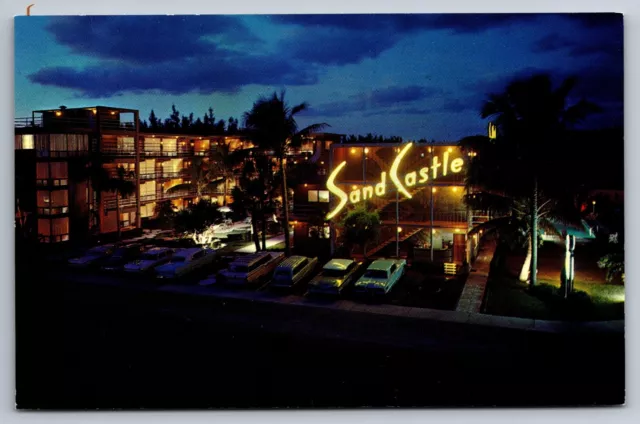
{"x":159,"y":174}
{"x":62,"y":122}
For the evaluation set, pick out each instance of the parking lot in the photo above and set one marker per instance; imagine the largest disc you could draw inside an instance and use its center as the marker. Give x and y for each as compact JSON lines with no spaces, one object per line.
{"x":416,"y":288}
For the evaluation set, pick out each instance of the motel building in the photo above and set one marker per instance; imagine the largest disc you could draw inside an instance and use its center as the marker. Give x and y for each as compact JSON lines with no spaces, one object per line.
{"x":417,"y":188}
{"x":55,"y":198}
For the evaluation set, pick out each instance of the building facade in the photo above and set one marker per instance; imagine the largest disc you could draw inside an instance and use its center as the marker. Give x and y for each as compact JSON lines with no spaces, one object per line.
{"x":418,"y":190}
{"x":57,"y":152}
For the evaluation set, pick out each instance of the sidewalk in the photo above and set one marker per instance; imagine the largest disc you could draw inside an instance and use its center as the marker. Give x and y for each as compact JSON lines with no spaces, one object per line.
{"x":251,"y":247}
{"x":473,"y":292}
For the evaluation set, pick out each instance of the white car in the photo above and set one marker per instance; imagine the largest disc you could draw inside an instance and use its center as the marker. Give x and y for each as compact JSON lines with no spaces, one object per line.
{"x":184,"y":261}
{"x":380,"y":276}
{"x":250,"y":269}
{"x":93,"y":256}
{"x":335,"y":276}
{"x":293,"y":270}
{"x":150,"y":259}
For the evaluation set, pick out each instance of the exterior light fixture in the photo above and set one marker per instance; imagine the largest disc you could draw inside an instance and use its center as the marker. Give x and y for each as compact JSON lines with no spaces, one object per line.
{"x":58,"y":113}
{"x":113,"y":112}
{"x":433,"y":190}
{"x":305,"y":185}
{"x":429,"y":149}
{"x":353,"y":150}
{"x":354,"y":187}
{"x":449,"y":150}
{"x":454,"y":188}
{"x":94,"y":111}
{"x":161,"y":141}
{"x":191,"y":144}
{"x":593,"y":203}
{"x":399,"y":229}
{"x":366,"y":150}
{"x":322,"y":162}
{"x":421,"y":155}
{"x":457,"y":230}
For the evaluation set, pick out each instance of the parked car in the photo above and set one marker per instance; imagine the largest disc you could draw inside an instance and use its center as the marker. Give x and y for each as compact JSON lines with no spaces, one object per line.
{"x":93,"y":256}
{"x":121,"y":256}
{"x":380,"y":276}
{"x":292,"y":270}
{"x":149,"y":260}
{"x":250,"y":269}
{"x":334,"y":277}
{"x":185,"y":261}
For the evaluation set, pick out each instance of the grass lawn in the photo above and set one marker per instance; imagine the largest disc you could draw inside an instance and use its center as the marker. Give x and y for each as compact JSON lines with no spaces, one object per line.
{"x":593,"y":298}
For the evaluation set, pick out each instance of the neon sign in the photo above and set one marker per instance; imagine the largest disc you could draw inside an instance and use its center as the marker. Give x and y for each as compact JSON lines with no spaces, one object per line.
{"x":421,"y":176}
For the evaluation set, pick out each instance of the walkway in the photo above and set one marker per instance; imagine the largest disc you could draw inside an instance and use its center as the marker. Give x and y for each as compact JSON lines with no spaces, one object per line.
{"x":251,"y":247}
{"x":473,"y":293}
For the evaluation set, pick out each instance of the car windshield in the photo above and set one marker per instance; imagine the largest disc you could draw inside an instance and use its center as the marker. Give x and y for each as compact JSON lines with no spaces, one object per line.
{"x":376,"y":273}
{"x":334,"y":273}
{"x":282,"y":272}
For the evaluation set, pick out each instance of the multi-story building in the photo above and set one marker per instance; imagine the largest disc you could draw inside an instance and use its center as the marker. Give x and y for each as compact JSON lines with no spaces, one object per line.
{"x":57,"y":152}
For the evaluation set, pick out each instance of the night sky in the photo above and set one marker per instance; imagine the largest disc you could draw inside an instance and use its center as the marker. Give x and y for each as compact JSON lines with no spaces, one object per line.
{"x":414,"y":76}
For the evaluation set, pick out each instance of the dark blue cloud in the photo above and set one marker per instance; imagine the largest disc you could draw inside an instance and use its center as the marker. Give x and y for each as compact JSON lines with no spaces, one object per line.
{"x":388,"y":100}
{"x":202,"y":75}
{"x":147,"y":39}
{"x":403,"y":23}
{"x":605,"y":45}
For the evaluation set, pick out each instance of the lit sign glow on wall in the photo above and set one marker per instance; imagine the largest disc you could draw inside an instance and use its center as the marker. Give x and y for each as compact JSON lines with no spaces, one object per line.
{"x":421,"y":176}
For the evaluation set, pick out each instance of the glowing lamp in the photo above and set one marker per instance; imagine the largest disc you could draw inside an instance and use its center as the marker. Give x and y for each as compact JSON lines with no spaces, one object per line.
{"x":353,"y":150}
{"x":58,"y":113}
{"x":366,"y":150}
{"x":399,"y":229}
{"x":433,"y":190}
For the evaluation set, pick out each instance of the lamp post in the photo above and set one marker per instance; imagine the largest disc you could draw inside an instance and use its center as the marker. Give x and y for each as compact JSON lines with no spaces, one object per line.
{"x":593,"y":209}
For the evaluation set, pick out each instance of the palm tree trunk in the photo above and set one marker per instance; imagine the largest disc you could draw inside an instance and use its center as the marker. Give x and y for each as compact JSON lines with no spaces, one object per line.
{"x":264,"y":233}
{"x":285,"y":203}
{"x":526,"y":267}
{"x":254,"y":225}
{"x":226,"y":186}
{"x":118,"y":213}
{"x":534,"y":234}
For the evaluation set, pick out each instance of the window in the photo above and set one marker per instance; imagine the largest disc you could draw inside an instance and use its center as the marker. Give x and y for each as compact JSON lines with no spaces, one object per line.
{"x":323,"y":232}
{"x":53,"y":173}
{"x":24,"y":142}
{"x":321,"y":196}
{"x":53,"y":230}
{"x":52,"y":202}
{"x":126,"y":145}
{"x":393,"y":269}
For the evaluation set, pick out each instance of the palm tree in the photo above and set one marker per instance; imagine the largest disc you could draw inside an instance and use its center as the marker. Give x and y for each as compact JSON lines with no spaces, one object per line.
{"x":272,"y":125}
{"x":225,"y":161}
{"x":532,"y":118}
{"x":123,"y":186}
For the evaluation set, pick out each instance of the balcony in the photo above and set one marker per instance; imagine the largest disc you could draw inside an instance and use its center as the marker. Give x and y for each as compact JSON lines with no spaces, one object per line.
{"x":160,"y":174}
{"x":62,"y":123}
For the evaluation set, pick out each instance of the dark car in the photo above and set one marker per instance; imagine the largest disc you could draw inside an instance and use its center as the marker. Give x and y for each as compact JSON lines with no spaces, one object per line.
{"x":123,"y":255}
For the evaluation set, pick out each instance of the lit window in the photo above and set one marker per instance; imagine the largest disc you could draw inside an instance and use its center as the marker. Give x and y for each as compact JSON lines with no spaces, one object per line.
{"x":323,"y":196}
{"x":27,"y":141}
{"x":313,"y":196}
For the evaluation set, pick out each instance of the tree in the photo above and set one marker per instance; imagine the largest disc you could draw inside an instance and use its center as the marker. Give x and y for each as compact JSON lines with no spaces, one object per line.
{"x":165,"y":214}
{"x":225,"y":161}
{"x":531,"y":118}
{"x":232,"y":125}
{"x":123,"y":186}
{"x":272,"y":125}
{"x":197,"y":219}
{"x":360,"y":227}
{"x":153,"y":120}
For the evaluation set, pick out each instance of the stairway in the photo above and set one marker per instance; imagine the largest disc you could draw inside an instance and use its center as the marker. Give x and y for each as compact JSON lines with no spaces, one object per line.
{"x":387,"y":242}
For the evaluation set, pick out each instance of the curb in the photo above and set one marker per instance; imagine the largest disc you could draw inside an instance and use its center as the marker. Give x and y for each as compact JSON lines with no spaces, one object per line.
{"x":456,"y":317}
